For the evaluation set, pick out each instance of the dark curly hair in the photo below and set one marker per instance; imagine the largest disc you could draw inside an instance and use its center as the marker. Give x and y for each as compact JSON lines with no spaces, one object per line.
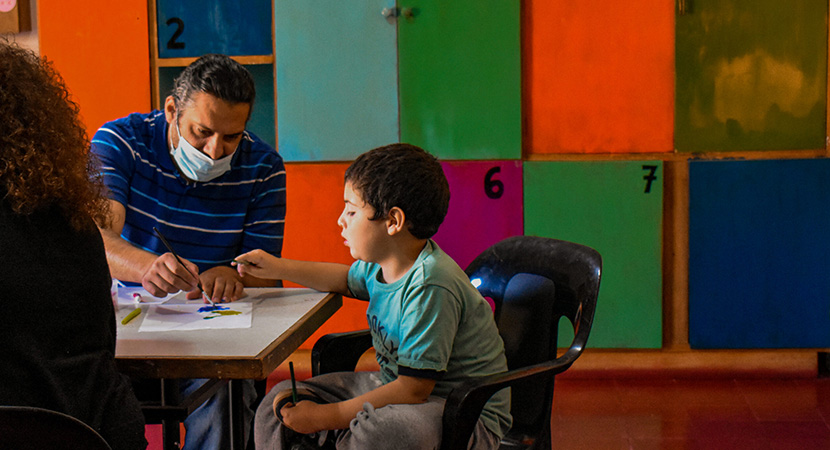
{"x":405,"y":176}
{"x":44,"y":149}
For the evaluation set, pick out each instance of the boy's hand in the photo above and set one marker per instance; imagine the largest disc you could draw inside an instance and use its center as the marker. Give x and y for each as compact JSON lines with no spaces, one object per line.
{"x":257,"y":263}
{"x":305,"y":417}
{"x":322,"y":276}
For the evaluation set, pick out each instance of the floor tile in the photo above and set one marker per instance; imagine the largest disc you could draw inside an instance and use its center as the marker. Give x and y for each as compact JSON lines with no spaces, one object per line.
{"x":781,"y":400}
{"x":684,"y":414}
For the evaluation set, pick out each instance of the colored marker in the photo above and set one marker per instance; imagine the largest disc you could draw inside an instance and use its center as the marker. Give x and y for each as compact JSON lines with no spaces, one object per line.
{"x":136,"y":297}
{"x":244,"y":263}
{"x":131,"y":316}
{"x":293,"y":382}
{"x":169,"y":248}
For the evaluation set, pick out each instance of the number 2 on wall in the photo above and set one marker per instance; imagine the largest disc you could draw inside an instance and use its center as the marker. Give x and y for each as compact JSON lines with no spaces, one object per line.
{"x":172,"y":43}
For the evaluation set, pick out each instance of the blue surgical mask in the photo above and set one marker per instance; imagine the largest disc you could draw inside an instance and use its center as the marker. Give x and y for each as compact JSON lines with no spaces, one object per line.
{"x":196,"y":165}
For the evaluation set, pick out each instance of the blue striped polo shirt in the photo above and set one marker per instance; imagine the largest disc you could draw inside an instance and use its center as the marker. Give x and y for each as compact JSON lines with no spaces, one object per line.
{"x":209,"y":223}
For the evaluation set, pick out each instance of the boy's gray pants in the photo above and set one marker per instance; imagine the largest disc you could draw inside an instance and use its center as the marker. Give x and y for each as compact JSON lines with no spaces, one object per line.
{"x":398,"y":427}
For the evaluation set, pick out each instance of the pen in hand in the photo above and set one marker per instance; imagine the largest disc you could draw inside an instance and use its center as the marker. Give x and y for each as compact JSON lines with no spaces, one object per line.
{"x":293,"y":383}
{"x":245,"y":263}
{"x":198,"y":281}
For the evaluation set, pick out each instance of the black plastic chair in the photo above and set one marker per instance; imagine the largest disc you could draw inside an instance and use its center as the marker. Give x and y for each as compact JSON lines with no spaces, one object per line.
{"x":533,"y":282}
{"x":31,"y":428}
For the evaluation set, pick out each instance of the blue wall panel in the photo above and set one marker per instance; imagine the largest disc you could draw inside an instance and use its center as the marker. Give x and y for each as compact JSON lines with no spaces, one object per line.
{"x":195,"y":27}
{"x":759,"y":240}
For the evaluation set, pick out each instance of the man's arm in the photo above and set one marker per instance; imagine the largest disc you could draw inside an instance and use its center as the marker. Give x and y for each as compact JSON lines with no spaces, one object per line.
{"x":127,"y":262}
{"x":159,"y":275}
{"x":162,"y":275}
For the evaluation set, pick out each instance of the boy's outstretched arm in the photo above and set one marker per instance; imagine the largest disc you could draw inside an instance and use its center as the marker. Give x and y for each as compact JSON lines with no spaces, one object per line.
{"x":309,"y":417}
{"x":322,"y":276}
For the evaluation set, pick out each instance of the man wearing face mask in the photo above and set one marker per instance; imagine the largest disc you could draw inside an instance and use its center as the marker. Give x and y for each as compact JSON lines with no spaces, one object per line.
{"x":213,"y":189}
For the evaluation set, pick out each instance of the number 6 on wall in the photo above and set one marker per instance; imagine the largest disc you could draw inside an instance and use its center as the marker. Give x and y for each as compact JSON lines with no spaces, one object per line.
{"x":493,"y":188}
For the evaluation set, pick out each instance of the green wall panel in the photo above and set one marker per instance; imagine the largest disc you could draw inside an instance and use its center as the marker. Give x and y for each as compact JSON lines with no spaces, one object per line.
{"x":751,"y":75}
{"x":615,"y":207}
{"x":460,"y":77}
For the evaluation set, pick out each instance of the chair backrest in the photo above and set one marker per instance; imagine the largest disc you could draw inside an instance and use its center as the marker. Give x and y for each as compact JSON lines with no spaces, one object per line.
{"x":26,"y":427}
{"x":533,"y":282}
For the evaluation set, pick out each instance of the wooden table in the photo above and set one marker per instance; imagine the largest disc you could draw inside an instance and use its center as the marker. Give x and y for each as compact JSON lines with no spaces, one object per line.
{"x":283,"y":318}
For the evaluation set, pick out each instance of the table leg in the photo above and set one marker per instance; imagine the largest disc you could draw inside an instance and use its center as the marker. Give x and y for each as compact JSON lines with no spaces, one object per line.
{"x":170,"y":429}
{"x":236,"y":415}
{"x":171,"y":435}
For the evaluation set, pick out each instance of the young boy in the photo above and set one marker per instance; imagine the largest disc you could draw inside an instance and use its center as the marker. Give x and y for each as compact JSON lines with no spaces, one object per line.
{"x":430,"y":327}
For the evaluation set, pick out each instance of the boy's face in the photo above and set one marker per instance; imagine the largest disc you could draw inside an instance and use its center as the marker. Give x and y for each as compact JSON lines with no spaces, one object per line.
{"x":363,"y":236}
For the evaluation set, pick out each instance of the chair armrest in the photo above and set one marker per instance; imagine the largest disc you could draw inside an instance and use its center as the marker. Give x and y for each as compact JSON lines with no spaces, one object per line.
{"x":339,"y":352}
{"x":465,"y":401}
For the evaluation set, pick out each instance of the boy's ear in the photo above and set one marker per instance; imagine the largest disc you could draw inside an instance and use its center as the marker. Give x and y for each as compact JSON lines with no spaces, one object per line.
{"x":395,"y":221}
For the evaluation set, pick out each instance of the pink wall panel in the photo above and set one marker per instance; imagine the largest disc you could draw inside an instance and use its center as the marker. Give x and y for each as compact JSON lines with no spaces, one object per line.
{"x":599,"y":76}
{"x":475,"y":220}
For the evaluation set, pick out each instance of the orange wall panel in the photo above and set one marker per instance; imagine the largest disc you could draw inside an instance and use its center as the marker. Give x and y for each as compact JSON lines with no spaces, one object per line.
{"x":599,"y":76}
{"x":314,"y":202}
{"x":101,"y":48}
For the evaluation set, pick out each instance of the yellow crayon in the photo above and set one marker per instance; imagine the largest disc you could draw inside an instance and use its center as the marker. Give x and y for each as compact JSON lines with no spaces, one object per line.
{"x":131,"y":316}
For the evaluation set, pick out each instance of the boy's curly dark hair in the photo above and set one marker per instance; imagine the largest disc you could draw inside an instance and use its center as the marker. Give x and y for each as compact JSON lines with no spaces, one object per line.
{"x":44,"y":149}
{"x":405,"y":176}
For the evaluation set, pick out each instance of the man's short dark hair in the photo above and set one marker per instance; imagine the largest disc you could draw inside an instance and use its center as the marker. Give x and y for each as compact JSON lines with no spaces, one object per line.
{"x":405,"y":176}
{"x":217,"y":75}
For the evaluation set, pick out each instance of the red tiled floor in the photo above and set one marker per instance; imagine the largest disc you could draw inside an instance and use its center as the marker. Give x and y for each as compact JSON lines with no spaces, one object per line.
{"x":654,"y":413}
{"x":685,"y":414}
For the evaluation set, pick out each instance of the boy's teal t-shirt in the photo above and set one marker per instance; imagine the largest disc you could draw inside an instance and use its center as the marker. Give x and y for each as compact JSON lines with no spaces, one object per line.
{"x":434,"y":319}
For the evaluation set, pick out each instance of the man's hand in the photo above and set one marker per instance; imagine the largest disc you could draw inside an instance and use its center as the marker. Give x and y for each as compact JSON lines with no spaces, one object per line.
{"x":166,"y":276}
{"x":221,"y":283}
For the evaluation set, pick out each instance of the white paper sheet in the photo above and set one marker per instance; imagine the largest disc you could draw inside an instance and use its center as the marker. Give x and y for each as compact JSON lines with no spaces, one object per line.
{"x":180,"y":317}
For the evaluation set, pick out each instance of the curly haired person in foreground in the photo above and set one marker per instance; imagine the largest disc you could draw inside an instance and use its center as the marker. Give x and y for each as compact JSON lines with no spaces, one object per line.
{"x":59,"y":327}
